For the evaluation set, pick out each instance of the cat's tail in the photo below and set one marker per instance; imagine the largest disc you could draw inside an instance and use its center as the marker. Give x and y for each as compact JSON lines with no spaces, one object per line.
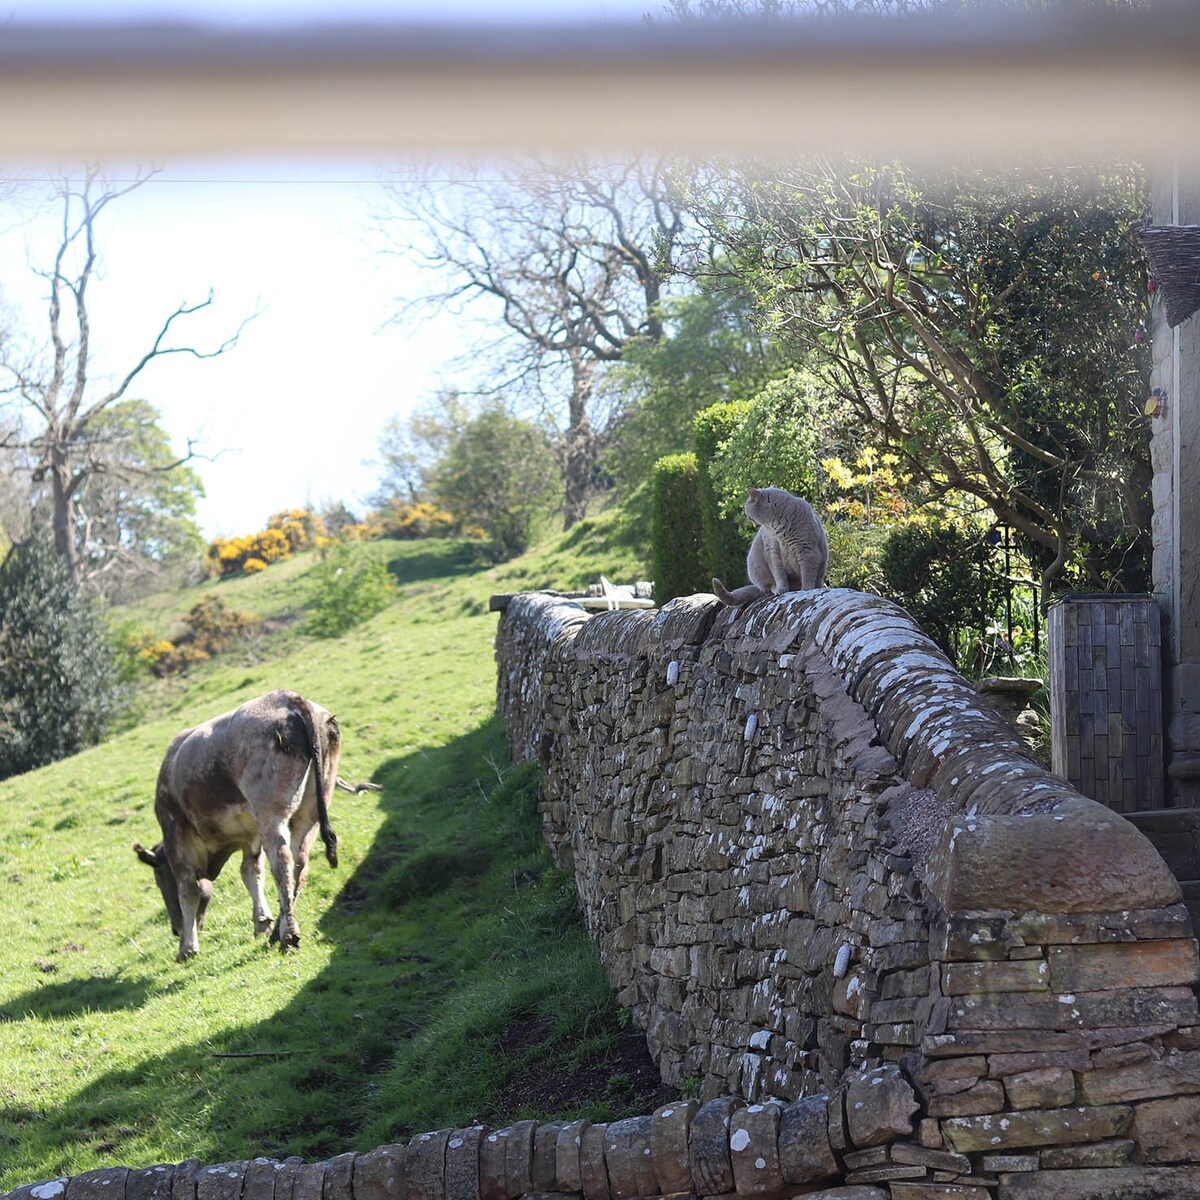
{"x":738,"y":596}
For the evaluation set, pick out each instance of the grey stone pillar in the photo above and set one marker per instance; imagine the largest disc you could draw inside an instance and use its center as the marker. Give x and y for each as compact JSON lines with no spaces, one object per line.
{"x":1175,"y":450}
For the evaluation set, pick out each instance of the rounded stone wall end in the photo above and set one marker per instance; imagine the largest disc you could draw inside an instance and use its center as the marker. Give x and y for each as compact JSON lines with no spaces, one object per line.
{"x":1080,"y":857}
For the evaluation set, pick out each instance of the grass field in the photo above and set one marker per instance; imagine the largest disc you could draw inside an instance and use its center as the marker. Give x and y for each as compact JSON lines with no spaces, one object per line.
{"x":444,"y":976}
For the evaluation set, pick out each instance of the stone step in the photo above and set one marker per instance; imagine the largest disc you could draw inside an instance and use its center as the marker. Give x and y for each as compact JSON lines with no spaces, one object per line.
{"x":1175,"y":834}
{"x":1191,"y":897}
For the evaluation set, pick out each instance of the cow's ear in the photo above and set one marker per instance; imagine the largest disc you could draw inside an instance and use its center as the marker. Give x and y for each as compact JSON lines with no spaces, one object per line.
{"x":150,"y":857}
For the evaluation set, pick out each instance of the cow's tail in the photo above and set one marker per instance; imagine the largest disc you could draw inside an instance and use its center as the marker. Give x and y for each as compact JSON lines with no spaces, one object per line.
{"x":328,"y":837}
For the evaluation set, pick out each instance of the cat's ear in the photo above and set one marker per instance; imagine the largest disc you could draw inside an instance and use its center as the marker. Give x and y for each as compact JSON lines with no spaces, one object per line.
{"x":754,"y":493}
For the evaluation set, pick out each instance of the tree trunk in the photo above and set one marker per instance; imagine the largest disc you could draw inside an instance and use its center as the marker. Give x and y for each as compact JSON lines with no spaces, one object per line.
{"x":63,"y":517}
{"x":580,"y":449}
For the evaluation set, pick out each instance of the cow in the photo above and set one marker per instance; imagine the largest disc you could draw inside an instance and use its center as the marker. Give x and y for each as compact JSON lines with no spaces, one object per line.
{"x":255,"y":779}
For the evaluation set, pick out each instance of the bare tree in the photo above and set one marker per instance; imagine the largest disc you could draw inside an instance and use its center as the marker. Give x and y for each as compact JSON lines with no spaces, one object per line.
{"x":571,"y":256}
{"x":53,"y":386}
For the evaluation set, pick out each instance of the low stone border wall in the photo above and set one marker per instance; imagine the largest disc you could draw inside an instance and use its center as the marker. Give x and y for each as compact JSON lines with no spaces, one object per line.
{"x":865,"y":1142}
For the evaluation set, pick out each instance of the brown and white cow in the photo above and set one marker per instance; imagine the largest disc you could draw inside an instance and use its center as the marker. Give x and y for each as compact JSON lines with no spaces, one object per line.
{"x":255,"y":779}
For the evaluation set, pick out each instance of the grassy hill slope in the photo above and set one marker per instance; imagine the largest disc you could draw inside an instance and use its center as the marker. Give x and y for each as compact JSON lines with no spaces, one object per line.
{"x":444,"y":977}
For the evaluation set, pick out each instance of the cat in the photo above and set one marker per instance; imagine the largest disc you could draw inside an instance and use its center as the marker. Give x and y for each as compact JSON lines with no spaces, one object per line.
{"x":789,"y":553}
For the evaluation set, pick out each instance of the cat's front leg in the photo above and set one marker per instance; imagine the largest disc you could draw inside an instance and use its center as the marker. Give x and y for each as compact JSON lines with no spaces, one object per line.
{"x":779,"y":572}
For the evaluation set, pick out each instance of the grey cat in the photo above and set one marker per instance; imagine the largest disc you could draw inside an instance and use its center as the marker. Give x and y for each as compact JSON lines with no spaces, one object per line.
{"x":789,"y":553}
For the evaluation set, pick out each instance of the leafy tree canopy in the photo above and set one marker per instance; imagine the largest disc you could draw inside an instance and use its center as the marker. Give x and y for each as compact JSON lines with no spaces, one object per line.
{"x":712,"y":351}
{"x":499,"y":475}
{"x":987,"y":329}
{"x":135,"y":512}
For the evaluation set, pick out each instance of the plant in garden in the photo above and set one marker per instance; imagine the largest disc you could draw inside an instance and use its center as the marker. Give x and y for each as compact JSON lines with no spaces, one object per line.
{"x":937,"y":573}
{"x":346,"y":590}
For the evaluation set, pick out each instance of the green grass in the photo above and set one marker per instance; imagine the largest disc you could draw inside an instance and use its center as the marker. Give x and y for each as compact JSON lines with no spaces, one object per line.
{"x":444,"y":930}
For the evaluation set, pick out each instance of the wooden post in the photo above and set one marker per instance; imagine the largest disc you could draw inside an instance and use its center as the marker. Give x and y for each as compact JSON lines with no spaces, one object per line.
{"x":1106,"y":699}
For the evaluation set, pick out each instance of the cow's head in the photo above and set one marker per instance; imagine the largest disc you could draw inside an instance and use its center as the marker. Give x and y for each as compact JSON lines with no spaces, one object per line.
{"x":165,"y":878}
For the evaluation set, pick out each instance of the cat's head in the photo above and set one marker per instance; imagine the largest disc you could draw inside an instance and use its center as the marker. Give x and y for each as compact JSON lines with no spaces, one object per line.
{"x":759,"y":500}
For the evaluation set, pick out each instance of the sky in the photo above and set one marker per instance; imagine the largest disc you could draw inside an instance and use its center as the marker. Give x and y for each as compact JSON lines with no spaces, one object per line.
{"x":291,"y":416}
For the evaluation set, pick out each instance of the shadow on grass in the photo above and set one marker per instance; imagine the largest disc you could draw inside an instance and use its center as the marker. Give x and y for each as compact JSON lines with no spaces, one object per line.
{"x":452,"y":938}
{"x":73,"y":997}
{"x":436,"y":560}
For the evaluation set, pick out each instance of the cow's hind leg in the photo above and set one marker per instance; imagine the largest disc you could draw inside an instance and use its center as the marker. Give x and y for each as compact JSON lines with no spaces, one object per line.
{"x":252,"y":877}
{"x":279,"y":852}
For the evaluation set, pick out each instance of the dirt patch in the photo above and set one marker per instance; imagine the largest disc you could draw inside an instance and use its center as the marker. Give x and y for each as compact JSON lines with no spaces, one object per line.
{"x":624,"y":1081}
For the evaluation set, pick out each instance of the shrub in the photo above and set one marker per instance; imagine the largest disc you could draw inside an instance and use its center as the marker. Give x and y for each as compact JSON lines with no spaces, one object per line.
{"x":295,"y":529}
{"x":301,"y":526}
{"x":347,"y":590}
{"x":166,"y":658}
{"x":726,"y":537}
{"x":676,"y":549}
{"x":213,"y":626}
{"x":272,"y":545}
{"x":771,"y":443}
{"x":855,"y":552}
{"x":421,"y":520}
{"x":156,"y":654}
{"x":226,"y":555}
{"x":59,"y":685}
{"x":933,"y":571}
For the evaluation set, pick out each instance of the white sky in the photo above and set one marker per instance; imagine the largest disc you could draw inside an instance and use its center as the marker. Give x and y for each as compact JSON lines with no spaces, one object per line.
{"x":296,"y":408}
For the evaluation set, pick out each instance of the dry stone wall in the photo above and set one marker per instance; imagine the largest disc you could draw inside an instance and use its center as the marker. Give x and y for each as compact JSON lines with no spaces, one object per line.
{"x":805,"y":849}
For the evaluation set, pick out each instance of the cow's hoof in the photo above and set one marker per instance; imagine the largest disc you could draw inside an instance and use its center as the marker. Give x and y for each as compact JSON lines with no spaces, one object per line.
{"x":184,"y":955}
{"x":266,"y":925}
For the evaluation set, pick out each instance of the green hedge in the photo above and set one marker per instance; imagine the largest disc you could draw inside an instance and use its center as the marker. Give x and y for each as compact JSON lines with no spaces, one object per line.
{"x":676,"y":551}
{"x":725,"y":538}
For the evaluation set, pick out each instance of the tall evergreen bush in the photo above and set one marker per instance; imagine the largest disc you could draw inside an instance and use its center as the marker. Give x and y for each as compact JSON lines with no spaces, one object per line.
{"x":677,"y":552}
{"x":59,"y":685}
{"x":726,"y":537}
